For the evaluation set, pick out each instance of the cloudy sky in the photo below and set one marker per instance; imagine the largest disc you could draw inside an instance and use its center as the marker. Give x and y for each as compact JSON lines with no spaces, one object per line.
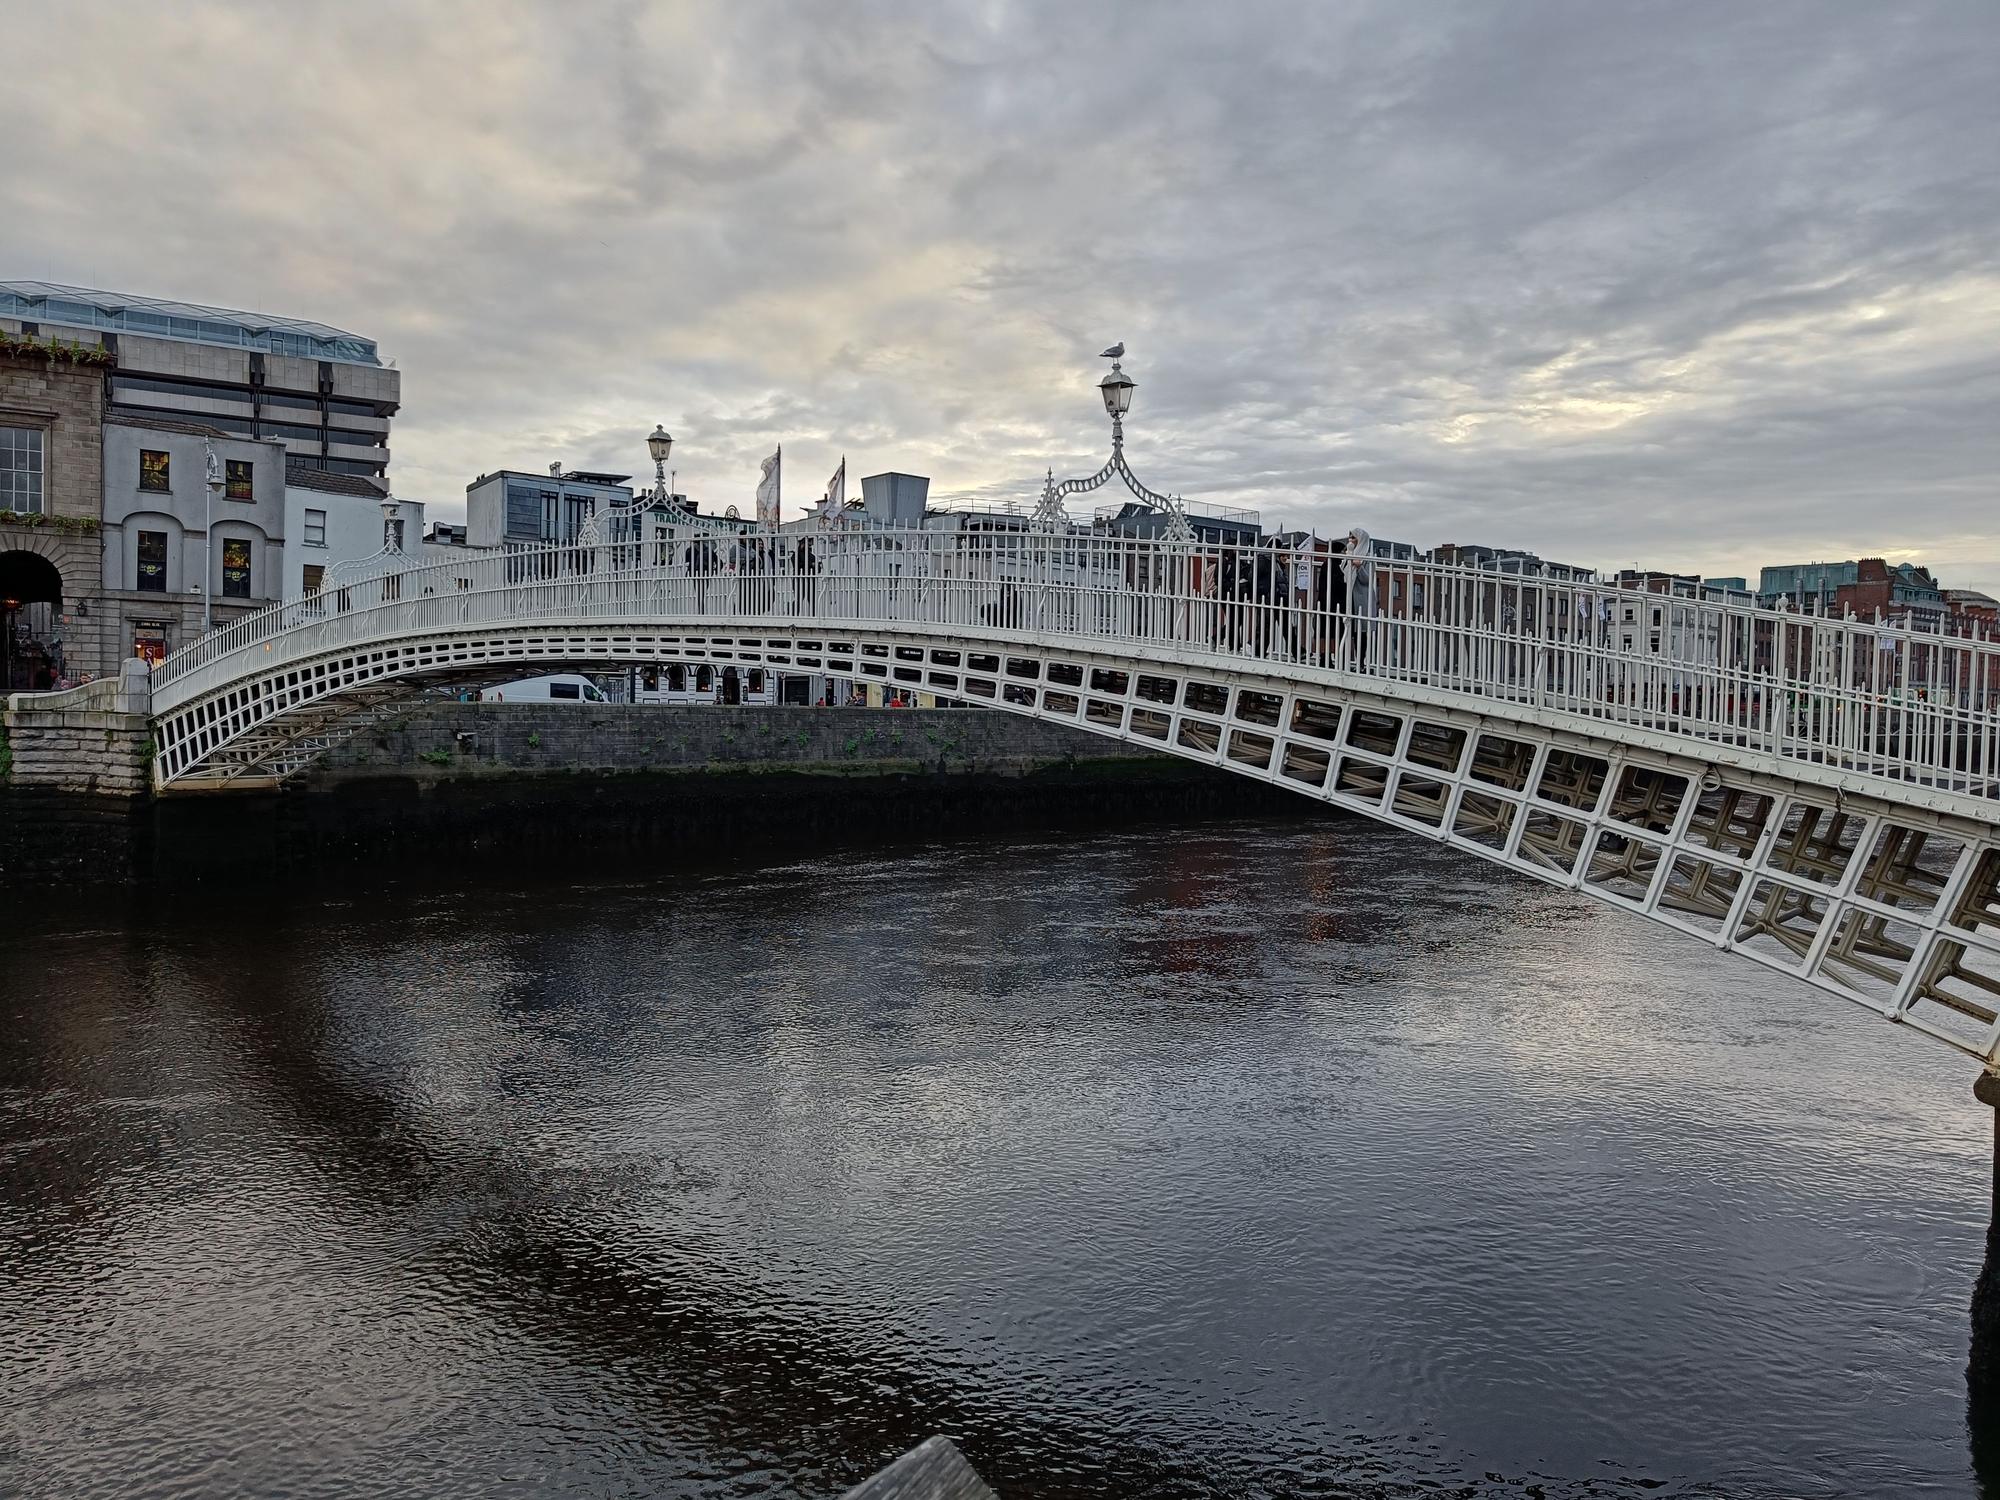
{"x":1700,"y":285}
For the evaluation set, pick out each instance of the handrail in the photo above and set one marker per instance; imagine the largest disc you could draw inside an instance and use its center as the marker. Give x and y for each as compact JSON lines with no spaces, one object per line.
{"x":1885,"y":700}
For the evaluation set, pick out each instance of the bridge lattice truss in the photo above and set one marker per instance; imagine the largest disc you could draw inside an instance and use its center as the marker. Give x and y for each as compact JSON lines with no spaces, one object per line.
{"x":1816,"y":795}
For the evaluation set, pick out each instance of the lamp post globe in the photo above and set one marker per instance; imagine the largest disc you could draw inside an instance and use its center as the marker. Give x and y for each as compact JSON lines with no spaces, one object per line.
{"x":1116,"y":388}
{"x":660,"y":444}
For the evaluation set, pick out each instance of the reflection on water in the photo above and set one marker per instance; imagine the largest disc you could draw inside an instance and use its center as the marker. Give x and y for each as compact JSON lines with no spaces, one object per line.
{"x":1259,"y":1158}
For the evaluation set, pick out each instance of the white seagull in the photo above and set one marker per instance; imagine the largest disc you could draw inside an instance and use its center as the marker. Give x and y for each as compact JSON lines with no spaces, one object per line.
{"x":1116,"y":351}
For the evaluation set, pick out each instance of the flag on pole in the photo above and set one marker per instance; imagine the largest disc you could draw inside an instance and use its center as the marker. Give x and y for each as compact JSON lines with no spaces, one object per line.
{"x":835,"y":499}
{"x":767,"y":489}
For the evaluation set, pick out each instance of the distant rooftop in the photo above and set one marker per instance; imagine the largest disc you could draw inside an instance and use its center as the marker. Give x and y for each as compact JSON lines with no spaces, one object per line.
{"x":567,"y":476}
{"x":167,"y":424}
{"x":79,"y":307}
{"x":330,"y":483}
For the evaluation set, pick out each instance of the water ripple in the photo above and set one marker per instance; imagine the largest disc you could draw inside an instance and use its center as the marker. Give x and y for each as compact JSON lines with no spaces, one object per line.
{"x":1255,"y":1159}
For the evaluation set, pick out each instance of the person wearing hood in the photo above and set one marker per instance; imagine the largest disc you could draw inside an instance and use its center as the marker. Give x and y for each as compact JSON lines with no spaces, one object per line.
{"x":1358,"y":566}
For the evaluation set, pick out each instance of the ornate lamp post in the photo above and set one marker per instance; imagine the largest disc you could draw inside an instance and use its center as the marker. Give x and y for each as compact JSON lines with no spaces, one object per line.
{"x":1116,"y":389}
{"x":660,"y":444}
{"x":600,"y":525}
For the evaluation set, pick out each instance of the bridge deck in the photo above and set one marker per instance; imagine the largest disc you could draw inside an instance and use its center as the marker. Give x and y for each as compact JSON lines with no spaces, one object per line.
{"x":1817,"y":795}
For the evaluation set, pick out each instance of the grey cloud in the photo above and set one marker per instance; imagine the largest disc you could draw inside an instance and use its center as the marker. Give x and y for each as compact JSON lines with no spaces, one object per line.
{"x":1703,"y":285}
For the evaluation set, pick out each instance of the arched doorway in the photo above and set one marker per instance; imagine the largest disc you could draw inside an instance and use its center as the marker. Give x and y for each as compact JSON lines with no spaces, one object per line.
{"x":732,"y":686}
{"x":30,"y":622}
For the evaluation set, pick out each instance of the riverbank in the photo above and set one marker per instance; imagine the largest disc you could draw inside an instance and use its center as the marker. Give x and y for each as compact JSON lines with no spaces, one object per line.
{"x":595,"y":790}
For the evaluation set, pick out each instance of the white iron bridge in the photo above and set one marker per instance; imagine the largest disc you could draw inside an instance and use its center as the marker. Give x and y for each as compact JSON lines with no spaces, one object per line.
{"x":1821,"y":796}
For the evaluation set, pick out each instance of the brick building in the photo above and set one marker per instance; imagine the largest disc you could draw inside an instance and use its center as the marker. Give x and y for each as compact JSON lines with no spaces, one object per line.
{"x":52,"y":622}
{"x":1900,"y":591}
{"x":1973,"y":613}
{"x":1904,"y":592}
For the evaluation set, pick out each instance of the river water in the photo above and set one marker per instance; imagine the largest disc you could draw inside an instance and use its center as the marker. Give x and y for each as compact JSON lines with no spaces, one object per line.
{"x":1246,"y":1158}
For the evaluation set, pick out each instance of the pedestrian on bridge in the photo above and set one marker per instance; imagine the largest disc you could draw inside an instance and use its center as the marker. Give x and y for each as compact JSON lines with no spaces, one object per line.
{"x":1303,"y":557}
{"x":1358,"y":566}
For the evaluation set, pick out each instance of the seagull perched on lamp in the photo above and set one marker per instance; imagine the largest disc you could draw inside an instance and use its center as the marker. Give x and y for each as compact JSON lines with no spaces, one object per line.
{"x":1116,"y":351}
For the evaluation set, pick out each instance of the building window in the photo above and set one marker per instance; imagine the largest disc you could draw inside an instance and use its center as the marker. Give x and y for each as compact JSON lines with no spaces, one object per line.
{"x":313,"y":575}
{"x":21,"y":470}
{"x":152,"y":570}
{"x":236,"y":481}
{"x":149,"y":640}
{"x":235,"y":568}
{"x":315,"y":528}
{"x":153,"y":473}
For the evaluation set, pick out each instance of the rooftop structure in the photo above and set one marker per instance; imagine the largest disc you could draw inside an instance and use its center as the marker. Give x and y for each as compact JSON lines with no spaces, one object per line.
{"x":1506,"y":560}
{"x":1212,"y":524}
{"x":321,"y":392}
{"x":159,"y":318}
{"x":329,"y":483}
{"x":1864,"y":586}
{"x":896,"y":499}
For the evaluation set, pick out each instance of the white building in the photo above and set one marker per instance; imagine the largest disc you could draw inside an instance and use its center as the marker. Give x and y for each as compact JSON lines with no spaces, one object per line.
{"x":178,"y":555}
{"x":341,"y":518}
{"x":331,"y":518}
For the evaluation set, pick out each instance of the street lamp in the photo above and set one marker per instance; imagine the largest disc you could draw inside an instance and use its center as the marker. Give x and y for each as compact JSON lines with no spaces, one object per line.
{"x":660,"y":444}
{"x":1116,"y":389}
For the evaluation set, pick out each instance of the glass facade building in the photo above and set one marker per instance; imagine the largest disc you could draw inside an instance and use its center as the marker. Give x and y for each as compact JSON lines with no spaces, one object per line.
{"x":76,"y":307}
{"x":513,"y":508}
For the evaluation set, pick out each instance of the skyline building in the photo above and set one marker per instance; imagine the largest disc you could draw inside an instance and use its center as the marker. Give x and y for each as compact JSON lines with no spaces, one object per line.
{"x":321,"y":392}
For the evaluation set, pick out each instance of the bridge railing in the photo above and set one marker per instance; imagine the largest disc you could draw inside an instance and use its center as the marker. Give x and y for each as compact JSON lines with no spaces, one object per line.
{"x":1881,"y":699}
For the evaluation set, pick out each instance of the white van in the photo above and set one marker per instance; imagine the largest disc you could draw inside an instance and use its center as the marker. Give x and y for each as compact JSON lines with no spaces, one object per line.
{"x":563,"y":687}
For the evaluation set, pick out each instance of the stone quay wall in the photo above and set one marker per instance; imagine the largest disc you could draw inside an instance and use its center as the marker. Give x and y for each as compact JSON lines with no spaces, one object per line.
{"x":432,"y":741}
{"x":96,"y":738}
{"x":577,"y":786}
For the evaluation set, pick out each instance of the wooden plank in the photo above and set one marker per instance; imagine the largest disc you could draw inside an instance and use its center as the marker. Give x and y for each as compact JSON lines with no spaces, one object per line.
{"x":933,"y":1470}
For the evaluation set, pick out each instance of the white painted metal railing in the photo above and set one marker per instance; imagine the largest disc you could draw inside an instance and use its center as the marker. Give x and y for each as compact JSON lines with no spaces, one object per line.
{"x":1886,"y":701}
